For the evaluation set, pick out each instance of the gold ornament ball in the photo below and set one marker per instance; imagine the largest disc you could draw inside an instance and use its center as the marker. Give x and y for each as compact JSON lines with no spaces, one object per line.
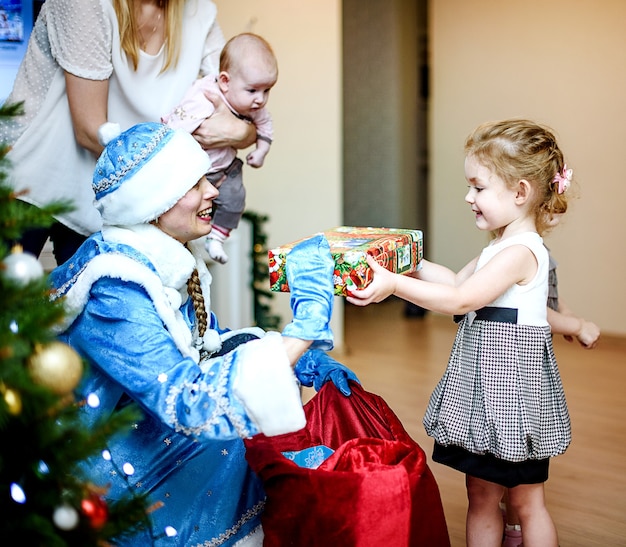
{"x":12,"y":399}
{"x":56,"y":366}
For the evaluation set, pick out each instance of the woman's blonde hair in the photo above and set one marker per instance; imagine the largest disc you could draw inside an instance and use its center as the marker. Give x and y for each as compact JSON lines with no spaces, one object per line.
{"x":194,"y":290}
{"x":129,"y":33}
{"x":519,"y":149}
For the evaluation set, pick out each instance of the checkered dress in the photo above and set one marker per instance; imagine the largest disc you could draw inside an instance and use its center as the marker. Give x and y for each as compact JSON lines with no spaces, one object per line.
{"x":501,"y":393}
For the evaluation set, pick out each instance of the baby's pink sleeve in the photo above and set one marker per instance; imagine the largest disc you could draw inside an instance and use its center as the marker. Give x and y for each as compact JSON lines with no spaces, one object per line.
{"x":193,"y":109}
{"x":264,"y":125}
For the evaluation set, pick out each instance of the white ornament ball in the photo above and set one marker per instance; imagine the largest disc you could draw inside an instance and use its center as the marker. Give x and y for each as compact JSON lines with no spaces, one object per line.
{"x":22,"y":268}
{"x":65,"y":517}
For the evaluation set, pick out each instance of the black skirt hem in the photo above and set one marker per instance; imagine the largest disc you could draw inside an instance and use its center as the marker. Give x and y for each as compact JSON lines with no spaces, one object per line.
{"x":490,"y":468}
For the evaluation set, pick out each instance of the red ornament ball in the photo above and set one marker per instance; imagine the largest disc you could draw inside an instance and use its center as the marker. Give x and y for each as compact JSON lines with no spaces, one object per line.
{"x":96,"y":510}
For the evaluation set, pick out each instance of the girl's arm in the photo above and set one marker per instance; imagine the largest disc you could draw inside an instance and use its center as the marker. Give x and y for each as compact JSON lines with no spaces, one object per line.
{"x":572,"y":326}
{"x":515,"y":264}
{"x":436,"y":273}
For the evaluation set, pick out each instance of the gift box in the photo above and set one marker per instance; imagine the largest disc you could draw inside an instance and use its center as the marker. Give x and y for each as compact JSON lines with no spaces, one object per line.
{"x":395,"y":249}
{"x":373,"y":488}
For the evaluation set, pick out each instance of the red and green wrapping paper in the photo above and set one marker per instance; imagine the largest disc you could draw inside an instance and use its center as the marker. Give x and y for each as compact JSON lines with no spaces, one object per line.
{"x":398,"y":250}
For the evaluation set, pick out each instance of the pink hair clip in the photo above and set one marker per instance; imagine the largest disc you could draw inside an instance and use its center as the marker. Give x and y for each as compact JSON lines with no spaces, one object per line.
{"x":564,"y":179}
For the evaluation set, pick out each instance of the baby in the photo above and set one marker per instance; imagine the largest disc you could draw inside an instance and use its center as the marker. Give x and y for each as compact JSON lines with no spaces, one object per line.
{"x":248,"y":71}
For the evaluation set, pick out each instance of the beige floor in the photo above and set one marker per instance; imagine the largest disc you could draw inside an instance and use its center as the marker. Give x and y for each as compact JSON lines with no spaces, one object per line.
{"x":402,"y":359}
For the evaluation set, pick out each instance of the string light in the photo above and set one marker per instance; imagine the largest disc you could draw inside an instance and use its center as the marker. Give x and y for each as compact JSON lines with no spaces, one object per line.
{"x":93,"y":400}
{"x":18,"y":495}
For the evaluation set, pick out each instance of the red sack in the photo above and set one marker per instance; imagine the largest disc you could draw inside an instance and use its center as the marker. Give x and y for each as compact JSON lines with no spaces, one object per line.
{"x":375,"y":489}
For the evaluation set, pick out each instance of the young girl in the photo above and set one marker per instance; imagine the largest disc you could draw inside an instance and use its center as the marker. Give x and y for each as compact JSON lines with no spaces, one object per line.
{"x":499,"y":413}
{"x":562,"y":321}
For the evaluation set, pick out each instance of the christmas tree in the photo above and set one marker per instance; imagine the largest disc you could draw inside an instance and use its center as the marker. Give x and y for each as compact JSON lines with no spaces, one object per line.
{"x":263,"y":316}
{"x":45,"y":500}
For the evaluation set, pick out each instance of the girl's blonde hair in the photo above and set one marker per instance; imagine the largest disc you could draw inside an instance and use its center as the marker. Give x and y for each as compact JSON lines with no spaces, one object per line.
{"x":129,"y":32}
{"x":519,"y":149}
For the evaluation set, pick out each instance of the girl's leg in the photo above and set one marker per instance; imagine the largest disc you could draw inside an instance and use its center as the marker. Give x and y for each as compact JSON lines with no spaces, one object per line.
{"x":484,"y":519}
{"x":528,"y":501}
{"x":512,"y":528}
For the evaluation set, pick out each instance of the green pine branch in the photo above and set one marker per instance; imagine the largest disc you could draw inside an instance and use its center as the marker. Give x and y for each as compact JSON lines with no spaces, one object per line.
{"x":263,"y":316}
{"x":43,"y":443}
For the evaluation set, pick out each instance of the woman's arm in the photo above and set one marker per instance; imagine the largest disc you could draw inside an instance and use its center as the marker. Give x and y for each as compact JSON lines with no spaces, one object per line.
{"x":249,"y":390}
{"x":223,"y":128}
{"x":295,"y":348}
{"x":88,"y":107}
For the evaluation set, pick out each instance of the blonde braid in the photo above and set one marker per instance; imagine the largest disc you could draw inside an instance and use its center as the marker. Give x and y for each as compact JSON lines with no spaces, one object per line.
{"x":194,"y":290}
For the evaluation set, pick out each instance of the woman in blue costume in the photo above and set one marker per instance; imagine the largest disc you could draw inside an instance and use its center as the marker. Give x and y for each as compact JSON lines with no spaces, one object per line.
{"x":137,"y":295}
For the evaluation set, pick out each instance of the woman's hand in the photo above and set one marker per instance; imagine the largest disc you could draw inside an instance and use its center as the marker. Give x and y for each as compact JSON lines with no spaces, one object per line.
{"x":223,"y":128}
{"x":316,"y":367}
{"x":309,"y":270}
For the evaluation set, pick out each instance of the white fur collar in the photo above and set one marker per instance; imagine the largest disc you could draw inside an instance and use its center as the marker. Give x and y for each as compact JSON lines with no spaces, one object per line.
{"x":167,"y":289}
{"x":173,"y":262}
{"x":120,"y":266}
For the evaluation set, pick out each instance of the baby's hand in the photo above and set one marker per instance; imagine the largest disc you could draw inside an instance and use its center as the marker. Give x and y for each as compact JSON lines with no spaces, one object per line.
{"x":588,"y":335}
{"x":383,"y":285}
{"x":255,"y":159}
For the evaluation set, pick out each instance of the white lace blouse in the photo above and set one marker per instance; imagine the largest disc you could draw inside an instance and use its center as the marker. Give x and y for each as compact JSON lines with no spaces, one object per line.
{"x":82,"y":38}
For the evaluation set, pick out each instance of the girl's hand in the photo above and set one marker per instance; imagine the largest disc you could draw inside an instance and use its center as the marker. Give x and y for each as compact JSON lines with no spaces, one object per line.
{"x":588,"y":335}
{"x":383,"y":285}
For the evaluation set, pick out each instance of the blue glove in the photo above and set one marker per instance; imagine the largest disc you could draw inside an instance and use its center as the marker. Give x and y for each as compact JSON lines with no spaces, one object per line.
{"x":309,"y":270}
{"x":315,"y":368}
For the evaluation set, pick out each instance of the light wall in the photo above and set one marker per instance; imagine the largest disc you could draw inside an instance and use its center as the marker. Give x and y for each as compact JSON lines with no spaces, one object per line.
{"x":383,"y":109}
{"x":561,"y":63}
{"x":558,"y":62}
{"x":299,"y":187}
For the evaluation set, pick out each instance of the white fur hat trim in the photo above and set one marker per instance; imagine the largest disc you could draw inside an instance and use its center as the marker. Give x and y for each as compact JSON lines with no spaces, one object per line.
{"x":144,"y":171}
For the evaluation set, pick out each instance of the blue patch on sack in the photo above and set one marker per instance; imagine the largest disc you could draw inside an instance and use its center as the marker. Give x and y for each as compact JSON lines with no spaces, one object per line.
{"x":311,"y":458}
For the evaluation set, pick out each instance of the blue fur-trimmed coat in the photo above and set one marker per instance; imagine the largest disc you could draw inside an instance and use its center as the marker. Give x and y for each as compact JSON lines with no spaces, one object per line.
{"x":129,"y":316}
